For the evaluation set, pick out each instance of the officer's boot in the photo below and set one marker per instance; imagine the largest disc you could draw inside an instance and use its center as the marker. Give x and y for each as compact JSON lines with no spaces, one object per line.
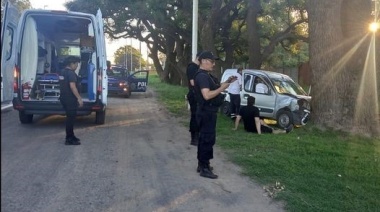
{"x":199,"y":167}
{"x":206,"y":171}
{"x":194,"y":138}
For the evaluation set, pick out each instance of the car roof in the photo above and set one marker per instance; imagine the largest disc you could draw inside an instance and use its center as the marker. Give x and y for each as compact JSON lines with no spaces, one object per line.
{"x":270,"y":74}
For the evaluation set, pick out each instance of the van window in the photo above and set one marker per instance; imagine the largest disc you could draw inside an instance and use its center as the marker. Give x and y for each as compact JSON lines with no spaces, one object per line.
{"x":69,"y":51}
{"x":8,"y":41}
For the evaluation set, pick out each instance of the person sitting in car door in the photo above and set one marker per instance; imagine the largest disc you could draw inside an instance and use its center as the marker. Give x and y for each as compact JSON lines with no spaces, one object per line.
{"x":260,"y":86}
{"x":252,"y":122}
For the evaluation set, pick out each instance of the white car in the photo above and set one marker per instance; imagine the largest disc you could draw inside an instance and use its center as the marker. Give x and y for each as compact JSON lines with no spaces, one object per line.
{"x":285,"y":101}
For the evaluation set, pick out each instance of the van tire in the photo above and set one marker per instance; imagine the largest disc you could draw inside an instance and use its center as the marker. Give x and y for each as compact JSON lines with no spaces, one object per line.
{"x":225,"y":108}
{"x":284,"y":119}
{"x":25,"y":118}
{"x":100,"y":117}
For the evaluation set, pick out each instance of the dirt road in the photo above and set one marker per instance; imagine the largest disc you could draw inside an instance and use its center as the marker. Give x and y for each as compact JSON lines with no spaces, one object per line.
{"x":139,"y":161}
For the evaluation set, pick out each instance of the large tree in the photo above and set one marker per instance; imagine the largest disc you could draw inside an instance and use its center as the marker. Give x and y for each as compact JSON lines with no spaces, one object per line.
{"x":123,"y":57}
{"x":344,"y":79}
{"x":166,"y":25}
{"x":19,"y":4}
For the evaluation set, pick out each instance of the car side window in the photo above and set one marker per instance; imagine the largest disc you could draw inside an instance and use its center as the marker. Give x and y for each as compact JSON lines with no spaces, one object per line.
{"x":248,"y":83}
{"x":261,"y":87}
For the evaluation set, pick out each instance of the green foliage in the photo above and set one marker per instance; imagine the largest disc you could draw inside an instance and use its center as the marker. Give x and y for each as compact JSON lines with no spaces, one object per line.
{"x":289,"y":57}
{"x":19,"y":4}
{"x":123,"y":55}
{"x":165,"y":25}
{"x":174,"y":98}
{"x":314,"y":170}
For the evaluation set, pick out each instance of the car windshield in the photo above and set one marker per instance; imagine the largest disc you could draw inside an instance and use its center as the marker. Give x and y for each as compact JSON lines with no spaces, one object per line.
{"x":285,"y":85}
{"x":118,"y":72}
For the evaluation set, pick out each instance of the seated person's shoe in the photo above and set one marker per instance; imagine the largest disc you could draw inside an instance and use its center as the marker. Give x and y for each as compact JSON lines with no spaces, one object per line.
{"x":71,"y":141}
{"x":206,"y":172}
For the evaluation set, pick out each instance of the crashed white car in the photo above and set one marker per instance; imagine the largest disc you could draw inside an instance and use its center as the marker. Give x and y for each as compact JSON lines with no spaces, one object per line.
{"x":284,"y":101}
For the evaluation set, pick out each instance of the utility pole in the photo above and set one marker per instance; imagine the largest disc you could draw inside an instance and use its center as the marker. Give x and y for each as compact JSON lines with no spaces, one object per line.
{"x":140,"y":54}
{"x":125,"y":56}
{"x":194,"y":46}
{"x":131,"y":56}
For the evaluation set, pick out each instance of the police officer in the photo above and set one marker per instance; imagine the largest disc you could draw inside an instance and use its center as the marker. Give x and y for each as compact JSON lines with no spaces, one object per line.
{"x":207,"y":89}
{"x":70,"y":97}
{"x":192,"y":68}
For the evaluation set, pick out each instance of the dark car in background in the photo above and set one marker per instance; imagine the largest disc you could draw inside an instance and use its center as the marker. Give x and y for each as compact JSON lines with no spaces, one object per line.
{"x":122,"y":82}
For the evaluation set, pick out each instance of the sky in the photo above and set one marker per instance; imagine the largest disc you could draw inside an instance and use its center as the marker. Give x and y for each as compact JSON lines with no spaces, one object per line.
{"x":111,"y":46}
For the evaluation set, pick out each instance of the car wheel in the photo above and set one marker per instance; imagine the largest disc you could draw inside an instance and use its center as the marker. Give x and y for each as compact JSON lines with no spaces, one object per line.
{"x":225,"y":108}
{"x":25,"y":118}
{"x":100,"y":117}
{"x":284,"y":119}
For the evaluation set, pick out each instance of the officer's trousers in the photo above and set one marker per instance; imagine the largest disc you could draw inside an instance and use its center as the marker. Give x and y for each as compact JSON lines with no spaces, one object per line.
{"x":207,"y":127}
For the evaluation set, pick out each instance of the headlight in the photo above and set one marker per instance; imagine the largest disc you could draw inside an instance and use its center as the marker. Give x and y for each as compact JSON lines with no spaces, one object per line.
{"x":293,"y":105}
{"x":122,"y":84}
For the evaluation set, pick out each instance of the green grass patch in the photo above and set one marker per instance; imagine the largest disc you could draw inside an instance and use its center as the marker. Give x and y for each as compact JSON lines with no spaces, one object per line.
{"x":314,"y":170}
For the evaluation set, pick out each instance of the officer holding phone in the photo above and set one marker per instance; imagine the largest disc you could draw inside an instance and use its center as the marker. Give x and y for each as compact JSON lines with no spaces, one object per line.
{"x":206,"y":89}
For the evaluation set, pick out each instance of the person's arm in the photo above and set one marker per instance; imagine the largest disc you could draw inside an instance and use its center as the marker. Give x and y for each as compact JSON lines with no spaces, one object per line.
{"x":209,"y":94}
{"x":258,"y":125}
{"x":192,"y":82}
{"x":74,"y":89}
{"x":237,"y":121}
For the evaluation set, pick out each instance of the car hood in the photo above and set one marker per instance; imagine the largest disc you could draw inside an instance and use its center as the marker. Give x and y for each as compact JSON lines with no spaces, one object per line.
{"x":308,"y":98}
{"x":113,"y":79}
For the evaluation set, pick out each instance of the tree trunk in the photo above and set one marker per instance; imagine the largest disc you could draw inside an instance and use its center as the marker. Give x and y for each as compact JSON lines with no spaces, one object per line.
{"x":338,"y":52}
{"x":254,"y":46}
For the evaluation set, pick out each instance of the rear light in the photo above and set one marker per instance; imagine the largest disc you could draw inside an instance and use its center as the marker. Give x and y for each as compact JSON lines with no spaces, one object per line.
{"x":15,"y":79}
{"x":99,"y":84}
{"x":96,"y":108}
{"x":26,"y":90}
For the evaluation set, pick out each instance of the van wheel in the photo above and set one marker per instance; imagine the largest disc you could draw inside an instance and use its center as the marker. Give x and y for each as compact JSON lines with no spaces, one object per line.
{"x":100,"y":117}
{"x":25,"y":118}
{"x":284,"y":119}
{"x":225,"y":108}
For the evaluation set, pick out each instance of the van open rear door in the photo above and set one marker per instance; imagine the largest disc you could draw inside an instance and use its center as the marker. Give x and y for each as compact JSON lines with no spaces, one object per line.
{"x":8,"y":44}
{"x":102,"y":57}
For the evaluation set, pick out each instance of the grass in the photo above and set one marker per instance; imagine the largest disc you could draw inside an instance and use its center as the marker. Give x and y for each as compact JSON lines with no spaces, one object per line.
{"x":309,"y":169}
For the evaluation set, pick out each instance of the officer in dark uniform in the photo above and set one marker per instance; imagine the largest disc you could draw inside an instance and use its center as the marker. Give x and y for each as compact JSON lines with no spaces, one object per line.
{"x":207,"y":93}
{"x":192,"y":68}
{"x":70,"y":97}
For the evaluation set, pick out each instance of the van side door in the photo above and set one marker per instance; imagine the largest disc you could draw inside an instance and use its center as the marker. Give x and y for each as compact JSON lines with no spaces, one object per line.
{"x":101,"y":48}
{"x":8,"y":48}
{"x":138,"y":81}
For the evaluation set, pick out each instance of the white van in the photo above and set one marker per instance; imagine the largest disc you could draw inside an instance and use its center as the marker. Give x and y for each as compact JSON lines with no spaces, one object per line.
{"x":284,"y":100}
{"x":42,"y":40}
